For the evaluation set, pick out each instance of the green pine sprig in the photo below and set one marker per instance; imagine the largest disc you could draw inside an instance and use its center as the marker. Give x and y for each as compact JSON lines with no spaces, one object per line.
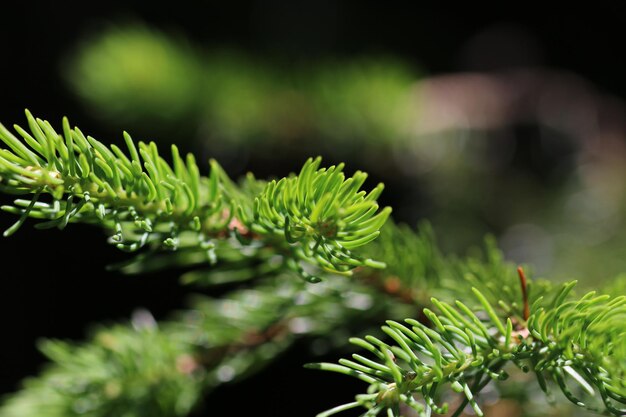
{"x":576,"y":343}
{"x":322,"y":215}
{"x":317,"y":216}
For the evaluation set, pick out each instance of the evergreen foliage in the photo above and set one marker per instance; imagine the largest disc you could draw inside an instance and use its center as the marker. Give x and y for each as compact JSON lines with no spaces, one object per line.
{"x":472,"y":320}
{"x":578,"y":343}
{"x":142,"y":200}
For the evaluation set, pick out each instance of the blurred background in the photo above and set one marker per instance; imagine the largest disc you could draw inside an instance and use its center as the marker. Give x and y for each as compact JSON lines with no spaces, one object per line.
{"x":509,"y":122}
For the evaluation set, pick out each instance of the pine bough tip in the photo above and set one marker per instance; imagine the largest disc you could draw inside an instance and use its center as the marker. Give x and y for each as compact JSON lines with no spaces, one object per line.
{"x":575,"y":343}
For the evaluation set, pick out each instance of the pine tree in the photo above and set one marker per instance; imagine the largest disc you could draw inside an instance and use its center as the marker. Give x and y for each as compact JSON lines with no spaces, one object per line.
{"x":309,"y":254}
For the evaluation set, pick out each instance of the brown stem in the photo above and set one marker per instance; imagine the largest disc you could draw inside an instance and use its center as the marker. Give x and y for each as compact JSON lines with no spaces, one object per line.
{"x":522,"y":279}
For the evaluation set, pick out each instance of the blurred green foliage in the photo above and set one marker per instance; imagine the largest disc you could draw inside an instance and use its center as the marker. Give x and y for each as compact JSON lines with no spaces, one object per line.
{"x":138,"y":75}
{"x":151,"y":75}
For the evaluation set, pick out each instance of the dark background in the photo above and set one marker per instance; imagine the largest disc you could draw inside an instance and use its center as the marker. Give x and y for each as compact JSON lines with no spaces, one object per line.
{"x":53,"y":284}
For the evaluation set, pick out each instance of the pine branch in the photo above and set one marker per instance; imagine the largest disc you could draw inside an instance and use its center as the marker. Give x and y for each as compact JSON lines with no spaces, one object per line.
{"x":318,"y":217}
{"x":166,"y":368}
{"x":160,"y":369}
{"x":578,"y":343}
